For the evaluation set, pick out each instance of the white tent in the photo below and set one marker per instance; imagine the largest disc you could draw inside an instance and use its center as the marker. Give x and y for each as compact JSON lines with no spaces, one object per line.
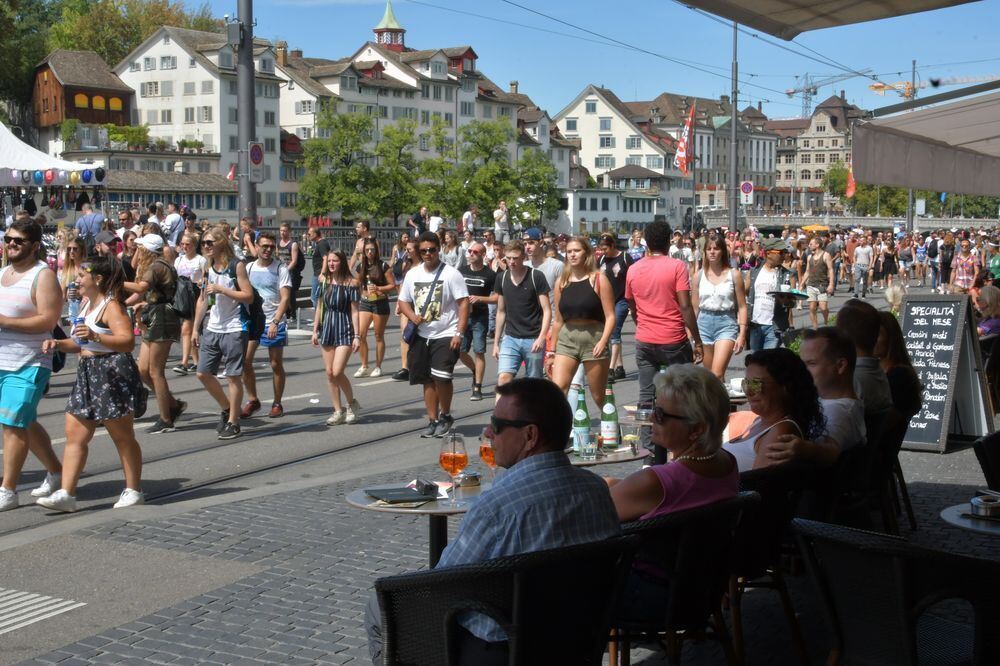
{"x":16,"y":154}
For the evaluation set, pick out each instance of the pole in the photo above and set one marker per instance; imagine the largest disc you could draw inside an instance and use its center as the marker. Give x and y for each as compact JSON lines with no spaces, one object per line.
{"x":733,"y":186}
{"x":694,"y":167}
{"x":246,"y":105}
{"x":909,"y":193}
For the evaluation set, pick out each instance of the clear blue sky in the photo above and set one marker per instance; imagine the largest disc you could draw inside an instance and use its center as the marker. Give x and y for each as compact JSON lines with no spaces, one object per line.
{"x":554,"y":62}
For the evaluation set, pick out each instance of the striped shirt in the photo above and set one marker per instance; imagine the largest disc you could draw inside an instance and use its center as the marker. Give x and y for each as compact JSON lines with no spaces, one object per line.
{"x":17,"y":349}
{"x":542,"y":502}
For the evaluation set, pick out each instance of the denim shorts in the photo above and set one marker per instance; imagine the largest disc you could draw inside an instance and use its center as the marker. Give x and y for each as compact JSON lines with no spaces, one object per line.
{"x":475,"y":334}
{"x":715,"y":326}
{"x":20,"y":392}
{"x":621,"y":312}
{"x":515,"y":350}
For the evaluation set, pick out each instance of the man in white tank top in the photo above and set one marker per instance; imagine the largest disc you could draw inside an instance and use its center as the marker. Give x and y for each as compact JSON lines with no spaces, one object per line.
{"x":30,"y":305}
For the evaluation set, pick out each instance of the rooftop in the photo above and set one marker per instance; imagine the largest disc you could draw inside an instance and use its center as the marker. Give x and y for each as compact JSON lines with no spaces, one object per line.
{"x":83,"y":69}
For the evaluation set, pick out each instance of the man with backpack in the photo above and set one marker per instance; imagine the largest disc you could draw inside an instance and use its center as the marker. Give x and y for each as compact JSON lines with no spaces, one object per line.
{"x":88,"y":226}
{"x":933,"y":250}
{"x":272,"y":281}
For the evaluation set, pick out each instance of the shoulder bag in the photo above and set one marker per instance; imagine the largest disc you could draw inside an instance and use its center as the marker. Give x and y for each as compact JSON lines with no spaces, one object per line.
{"x":410,"y":332}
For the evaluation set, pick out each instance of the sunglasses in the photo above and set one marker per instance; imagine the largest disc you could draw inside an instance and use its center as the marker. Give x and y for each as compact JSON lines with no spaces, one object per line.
{"x":498,"y":424}
{"x":660,"y":416}
{"x":266,"y":247}
{"x":21,"y":241}
{"x":473,"y":252}
{"x":428,"y":250}
{"x":207,"y":243}
{"x":752,"y":387}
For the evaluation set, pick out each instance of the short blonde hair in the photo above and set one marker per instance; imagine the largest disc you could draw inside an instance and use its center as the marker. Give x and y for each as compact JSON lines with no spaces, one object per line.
{"x":990,"y":297}
{"x":702,"y":399}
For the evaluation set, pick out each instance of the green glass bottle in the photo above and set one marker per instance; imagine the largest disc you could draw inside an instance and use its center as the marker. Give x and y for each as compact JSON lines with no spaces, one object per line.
{"x":581,"y":421}
{"x":610,"y":432}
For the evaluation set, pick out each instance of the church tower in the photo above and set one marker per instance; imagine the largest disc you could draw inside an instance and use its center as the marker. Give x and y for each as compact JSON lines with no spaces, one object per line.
{"x":388,"y":32}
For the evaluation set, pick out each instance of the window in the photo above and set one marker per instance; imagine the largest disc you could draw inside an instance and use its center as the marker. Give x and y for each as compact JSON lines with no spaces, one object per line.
{"x":820,"y":158}
{"x":266,"y":65}
{"x":151,"y":165}
{"x":270,"y":198}
{"x":464,"y":109}
{"x":593,"y":203}
{"x":233,"y":115}
{"x":149,"y":89}
{"x":189,"y":88}
{"x":207,"y":87}
{"x":607,"y":142}
{"x":166,"y":117}
{"x":436,"y":90}
{"x":204,"y":114}
{"x":633,"y":142}
{"x":633,"y":160}
{"x":504,"y":111}
{"x":305,"y":106}
{"x":166,"y":39}
{"x":225,"y":59}
{"x":437,"y":67}
{"x":192,"y":62}
{"x":487,"y":111}
{"x":834,"y":143}
{"x":583,"y":203}
{"x":167,"y":89}
{"x":168,"y":62}
{"x":348,"y":82}
{"x":604,"y":203}
{"x":97,"y":102}
{"x":234,"y":142}
{"x":806,"y":159}
{"x":654,"y":162}
{"x":209,"y":143}
{"x":805,"y":143}
{"x":134,"y":66}
{"x":118,"y":164}
{"x":424,"y":142}
{"x":571,"y":124}
{"x":819,"y":174}
{"x":152,"y":116}
{"x":270,"y":118}
{"x":605,"y":124}
{"x":449,"y":94}
{"x":303,"y":132}
{"x":789,"y":159}
{"x":288,"y":199}
{"x":806,"y":175}
{"x":382,"y":111}
{"x":149,"y":64}
{"x":449,"y":119}
{"x":468,"y":85}
{"x":189,"y":114}
{"x":820,"y":143}
{"x":204,"y":167}
{"x":269,"y":145}
{"x":425,"y":90}
{"x":590,"y":106}
{"x":425,"y":117}
{"x":604,"y":162}
{"x":789,"y":174}
{"x":115,"y":104}
{"x":232,"y":86}
{"x":820,"y":128}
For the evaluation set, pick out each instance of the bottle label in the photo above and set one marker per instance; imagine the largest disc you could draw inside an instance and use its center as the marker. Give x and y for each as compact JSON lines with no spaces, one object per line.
{"x":609,"y":434}
{"x":580,"y":436}
{"x":609,"y":408}
{"x":581,"y":415}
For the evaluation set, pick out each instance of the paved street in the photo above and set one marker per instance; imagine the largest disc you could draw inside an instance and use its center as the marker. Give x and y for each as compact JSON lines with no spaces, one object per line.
{"x":274,"y":567}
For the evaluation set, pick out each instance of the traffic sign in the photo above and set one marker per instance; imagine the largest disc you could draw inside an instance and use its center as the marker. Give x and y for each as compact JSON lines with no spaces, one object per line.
{"x":255,"y":153}
{"x":746,"y":192}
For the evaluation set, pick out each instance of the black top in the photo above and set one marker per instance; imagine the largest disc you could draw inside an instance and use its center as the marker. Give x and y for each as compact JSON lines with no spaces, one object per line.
{"x":615,"y":270}
{"x":523,"y":313}
{"x":479,"y":283}
{"x":376,"y":274}
{"x":580,"y":301}
{"x":419,"y":220}
{"x":321,"y":248}
{"x":904,"y":385}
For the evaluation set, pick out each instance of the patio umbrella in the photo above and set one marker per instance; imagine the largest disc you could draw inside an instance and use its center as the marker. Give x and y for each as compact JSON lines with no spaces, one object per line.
{"x":815,"y":227}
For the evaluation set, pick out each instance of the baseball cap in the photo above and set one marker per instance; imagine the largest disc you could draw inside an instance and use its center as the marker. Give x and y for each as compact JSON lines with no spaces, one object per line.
{"x":105,"y":237}
{"x":562,"y":238}
{"x":534,"y":233}
{"x":151,"y":242}
{"x":774,"y":244}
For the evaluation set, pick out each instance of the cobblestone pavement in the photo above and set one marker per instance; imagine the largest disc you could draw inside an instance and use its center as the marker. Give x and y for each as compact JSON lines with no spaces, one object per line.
{"x":319,"y":558}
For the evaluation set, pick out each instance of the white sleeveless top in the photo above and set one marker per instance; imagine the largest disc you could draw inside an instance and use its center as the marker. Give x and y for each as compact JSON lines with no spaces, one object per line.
{"x":717,"y":297}
{"x":21,"y":350}
{"x":745,"y":450}
{"x":91,"y":318}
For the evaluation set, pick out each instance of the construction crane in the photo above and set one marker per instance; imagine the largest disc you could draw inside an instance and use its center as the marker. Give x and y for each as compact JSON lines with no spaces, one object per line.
{"x":810,"y":86}
{"x":905,"y":89}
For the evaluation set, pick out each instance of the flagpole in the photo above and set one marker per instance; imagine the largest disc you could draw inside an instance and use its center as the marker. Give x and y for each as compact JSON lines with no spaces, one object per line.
{"x":694,"y":164}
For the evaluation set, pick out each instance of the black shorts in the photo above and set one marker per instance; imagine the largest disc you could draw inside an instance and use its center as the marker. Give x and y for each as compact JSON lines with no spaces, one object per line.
{"x":379,"y":307}
{"x":431,"y":360}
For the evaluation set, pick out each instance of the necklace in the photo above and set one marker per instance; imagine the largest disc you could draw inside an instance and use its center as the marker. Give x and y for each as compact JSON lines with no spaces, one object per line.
{"x":695,"y":458}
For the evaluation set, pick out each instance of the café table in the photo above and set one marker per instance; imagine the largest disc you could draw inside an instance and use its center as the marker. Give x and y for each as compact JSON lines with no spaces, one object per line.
{"x":953,"y":516}
{"x":607,"y":458}
{"x":437,"y":512}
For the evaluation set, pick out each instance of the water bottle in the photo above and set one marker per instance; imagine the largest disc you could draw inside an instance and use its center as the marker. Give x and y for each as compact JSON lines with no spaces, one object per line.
{"x":610,"y":431}
{"x":581,"y":421}
{"x":74,"y":302}
{"x":76,"y":322}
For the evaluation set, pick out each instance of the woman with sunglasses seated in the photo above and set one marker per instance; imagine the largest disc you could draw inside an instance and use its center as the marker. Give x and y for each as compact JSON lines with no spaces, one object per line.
{"x":691,"y":411}
{"x":781,"y":392}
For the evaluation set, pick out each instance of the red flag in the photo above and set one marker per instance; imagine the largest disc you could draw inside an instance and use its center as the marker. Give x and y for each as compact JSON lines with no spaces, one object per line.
{"x":232,"y":172}
{"x":681,"y":159}
{"x":851,"y":185}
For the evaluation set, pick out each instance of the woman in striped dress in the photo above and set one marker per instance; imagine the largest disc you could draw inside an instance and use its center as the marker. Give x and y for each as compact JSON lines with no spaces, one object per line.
{"x":335,"y":330}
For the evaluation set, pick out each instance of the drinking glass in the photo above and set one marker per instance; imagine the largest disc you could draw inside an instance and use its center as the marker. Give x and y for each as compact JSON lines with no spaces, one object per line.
{"x":453,"y":459}
{"x":486,"y":453}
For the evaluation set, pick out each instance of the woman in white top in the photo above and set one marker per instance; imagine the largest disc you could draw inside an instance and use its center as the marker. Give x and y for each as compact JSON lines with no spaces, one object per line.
{"x":781,"y":392}
{"x":191,"y":265}
{"x":721,"y":307}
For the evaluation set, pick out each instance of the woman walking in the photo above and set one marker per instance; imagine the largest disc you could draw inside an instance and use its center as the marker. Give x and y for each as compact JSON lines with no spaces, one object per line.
{"x":964,"y":269}
{"x":108,"y":390}
{"x":720,"y":304}
{"x":376,"y":282}
{"x":946,"y":255}
{"x":585,"y":319}
{"x":191,"y":265}
{"x":399,"y":270}
{"x":290,"y":253}
{"x":76,"y":252}
{"x":334,"y":329}
{"x":451,"y":251}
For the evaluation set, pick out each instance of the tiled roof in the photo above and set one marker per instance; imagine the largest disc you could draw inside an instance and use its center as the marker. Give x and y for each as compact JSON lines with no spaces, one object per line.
{"x":561,"y":142}
{"x":634,"y":171}
{"x":83,"y":69}
{"x":196,"y":41}
{"x":418,"y":55}
{"x":332,"y":69}
{"x":842,"y":112}
{"x":525,"y":139}
{"x":298,"y":71}
{"x":790,"y":127}
{"x":493,"y":92}
{"x":169,"y":181}
{"x":672,"y":109}
{"x":387,"y":82}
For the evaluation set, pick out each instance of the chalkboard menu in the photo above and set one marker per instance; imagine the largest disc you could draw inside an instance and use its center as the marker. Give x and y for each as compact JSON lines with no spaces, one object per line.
{"x":941,"y":338}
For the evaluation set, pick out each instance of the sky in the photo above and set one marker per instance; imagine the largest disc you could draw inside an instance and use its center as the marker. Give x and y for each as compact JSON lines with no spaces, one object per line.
{"x":553,"y":62}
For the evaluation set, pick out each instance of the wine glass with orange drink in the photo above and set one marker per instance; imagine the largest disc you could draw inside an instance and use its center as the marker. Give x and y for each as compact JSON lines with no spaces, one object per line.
{"x":453,"y":459}
{"x":486,"y":453}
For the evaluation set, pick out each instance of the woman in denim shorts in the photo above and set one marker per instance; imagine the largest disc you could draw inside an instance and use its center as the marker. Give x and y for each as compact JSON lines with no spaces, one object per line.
{"x":719,"y":297}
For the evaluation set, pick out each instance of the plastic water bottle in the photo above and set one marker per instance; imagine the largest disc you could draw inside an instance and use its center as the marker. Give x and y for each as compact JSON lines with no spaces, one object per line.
{"x":73,"y":303}
{"x":77,"y":321}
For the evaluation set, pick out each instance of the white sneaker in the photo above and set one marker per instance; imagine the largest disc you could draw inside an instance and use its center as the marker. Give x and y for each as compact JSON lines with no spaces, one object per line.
{"x":8,"y":499}
{"x":49,"y":486}
{"x":60,"y":500}
{"x":361,"y":372}
{"x":130,"y":498}
{"x":337,"y":419}
{"x":351,"y":415}
{"x":377,"y":372}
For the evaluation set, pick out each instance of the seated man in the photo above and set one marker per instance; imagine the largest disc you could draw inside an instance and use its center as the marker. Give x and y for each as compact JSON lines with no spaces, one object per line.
{"x":542,"y":502}
{"x":830,"y":357}
{"x":860,"y":322}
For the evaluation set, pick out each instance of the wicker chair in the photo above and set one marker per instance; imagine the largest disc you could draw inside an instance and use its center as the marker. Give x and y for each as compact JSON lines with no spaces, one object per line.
{"x":876,"y":587}
{"x":554,"y":605}
{"x":693,"y":548}
{"x":988,"y":452}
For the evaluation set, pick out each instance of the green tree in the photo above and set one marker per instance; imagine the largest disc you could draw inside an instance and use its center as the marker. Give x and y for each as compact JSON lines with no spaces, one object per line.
{"x":440,"y":184}
{"x":394,"y":179}
{"x":538,"y":196}
{"x":338,"y":176}
{"x":835,"y":180}
{"x":24,"y":31}
{"x":484,"y":162}
{"x":486,"y":141}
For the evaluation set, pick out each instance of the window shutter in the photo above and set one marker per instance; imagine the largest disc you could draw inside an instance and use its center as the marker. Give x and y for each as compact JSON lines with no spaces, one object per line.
{"x":142,"y":89}
{"x":298,"y":107}
{"x":167,"y":89}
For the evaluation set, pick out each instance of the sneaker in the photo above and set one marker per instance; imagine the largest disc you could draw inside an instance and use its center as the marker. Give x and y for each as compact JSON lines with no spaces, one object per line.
{"x":49,"y":486}
{"x":192,"y":367}
{"x":180,"y":369}
{"x":620,"y":372}
{"x":377,"y":372}
{"x":277,"y":411}
{"x":249,"y":409}
{"x":60,"y":500}
{"x":477,"y":393}
{"x":8,"y":499}
{"x":130,"y":498}
{"x":179,"y":408}
{"x":402,"y":375}
{"x":160,"y":427}
{"x":230,"y":431}
{"x":361,"y":372}
{"x":223,"y":420}
{"x":444,"y":424}
{"x":428,"y":431}
{"x":351,"y":414}
{"x":336,"y":419}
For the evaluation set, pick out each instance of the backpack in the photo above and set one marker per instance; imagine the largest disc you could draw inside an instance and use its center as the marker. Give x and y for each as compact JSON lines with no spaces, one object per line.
{"x":185,"y":297}
{"x":251,"y":315}
{"x":932,"y":249}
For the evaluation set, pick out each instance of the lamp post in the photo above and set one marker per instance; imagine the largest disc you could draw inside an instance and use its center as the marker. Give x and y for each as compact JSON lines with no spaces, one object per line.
{"x":240,"y":36}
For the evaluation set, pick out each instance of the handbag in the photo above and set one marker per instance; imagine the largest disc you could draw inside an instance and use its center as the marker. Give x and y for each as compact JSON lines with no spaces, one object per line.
{"x":410,"y":331}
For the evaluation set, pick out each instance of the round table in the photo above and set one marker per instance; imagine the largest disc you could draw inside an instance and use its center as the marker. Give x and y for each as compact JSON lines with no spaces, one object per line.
{"x":437,"y":513}
{"x":953,"y":516}
{"x":607,"y":458}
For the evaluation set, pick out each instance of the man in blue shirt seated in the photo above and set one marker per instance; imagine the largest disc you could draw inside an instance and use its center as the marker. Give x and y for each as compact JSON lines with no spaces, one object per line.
{"x":541,"y":502}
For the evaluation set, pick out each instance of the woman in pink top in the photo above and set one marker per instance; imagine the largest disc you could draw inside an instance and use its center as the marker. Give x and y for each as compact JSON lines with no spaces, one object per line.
{"x":690,"y":413}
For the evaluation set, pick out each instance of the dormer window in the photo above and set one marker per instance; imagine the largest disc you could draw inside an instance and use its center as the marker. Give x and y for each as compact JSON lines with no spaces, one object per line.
{"x":437,"y":67}
{"x":225,"y":59}
{"x":468,"y":64}
{"x":266,"y":65}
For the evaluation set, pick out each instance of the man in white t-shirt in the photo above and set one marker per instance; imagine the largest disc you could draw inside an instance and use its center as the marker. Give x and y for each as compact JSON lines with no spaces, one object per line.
{"x":830,"y":357}
{"x":435,"y":221}
{"x":440,"y":310}
{"x":469,"y":220}
{"x":501,"y":225}
{"x":273,"y":282}
{"x":173,"y":225}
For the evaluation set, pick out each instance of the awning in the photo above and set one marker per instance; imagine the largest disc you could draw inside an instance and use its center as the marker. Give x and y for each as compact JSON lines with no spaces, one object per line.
{"x":788,"y":18}
{"x":16,"y":154}
{"x":947,"y":148}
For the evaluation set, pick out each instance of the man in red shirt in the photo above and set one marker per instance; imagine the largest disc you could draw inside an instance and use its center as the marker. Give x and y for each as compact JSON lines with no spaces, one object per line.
{"x":658,"y":291}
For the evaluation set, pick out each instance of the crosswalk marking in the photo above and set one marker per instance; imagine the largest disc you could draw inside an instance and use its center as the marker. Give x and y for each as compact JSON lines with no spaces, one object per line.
{"x":19,"y":609}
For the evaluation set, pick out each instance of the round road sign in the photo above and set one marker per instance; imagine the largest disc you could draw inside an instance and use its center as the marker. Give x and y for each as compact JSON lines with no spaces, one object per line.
{"x":746,"y":187}
{"x":256,"y":154}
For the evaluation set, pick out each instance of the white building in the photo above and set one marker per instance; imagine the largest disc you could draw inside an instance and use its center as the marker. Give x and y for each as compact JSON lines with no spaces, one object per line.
{"x":635,"y":197}
{"x":185,"y":83}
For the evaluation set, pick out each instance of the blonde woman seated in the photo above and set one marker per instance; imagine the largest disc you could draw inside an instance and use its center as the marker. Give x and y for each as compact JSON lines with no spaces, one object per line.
{"x":690,"y":413}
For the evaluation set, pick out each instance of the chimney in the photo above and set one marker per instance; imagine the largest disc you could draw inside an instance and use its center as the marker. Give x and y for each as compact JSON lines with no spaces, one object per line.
{"x":513,"y":87}
{"x":760,"y":106}
{"x":296,"y":53}
{"x":842,"y":95}
{"x":281,"y":49}
{"x":724,"y":99}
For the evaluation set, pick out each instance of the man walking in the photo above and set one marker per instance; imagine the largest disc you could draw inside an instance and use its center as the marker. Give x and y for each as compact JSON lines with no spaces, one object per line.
{"x":418,"y":222}
{"x":523,"y":316}
{"x":173,"y":225}
{"x":768,"y":312}
{"x":615,"y":264}
{"x":479,"y":280}
{"x":321,"y":248}
{"x":863,"y":256}
{"x":470,"y":219}
{"x":820,"y":277}
{"x":88,"y":226}
{"x":273,"y":282}
{"x":501,"y":223}
{"x":434,"y":297}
